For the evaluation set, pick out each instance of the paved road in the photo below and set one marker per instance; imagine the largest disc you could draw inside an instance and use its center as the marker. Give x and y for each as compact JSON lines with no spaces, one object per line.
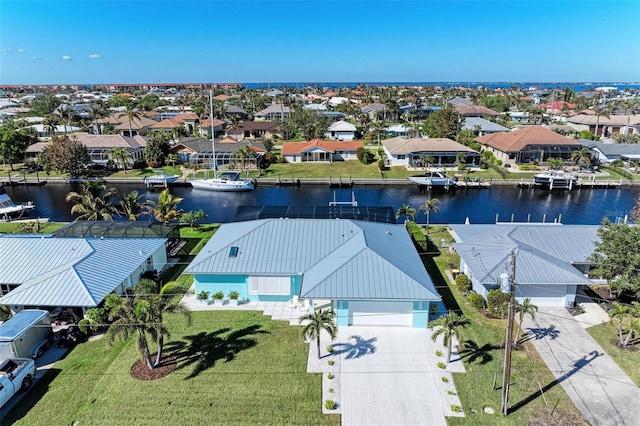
{"x":602,"y":392}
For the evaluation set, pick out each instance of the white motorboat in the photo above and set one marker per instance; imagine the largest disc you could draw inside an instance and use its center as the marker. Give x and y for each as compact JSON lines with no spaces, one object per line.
{"x":226,"y":181}
{"x":10,"y":210}
{"x":162,"y":178}
{"x":556,"y":179}
{"x":433,"y":178}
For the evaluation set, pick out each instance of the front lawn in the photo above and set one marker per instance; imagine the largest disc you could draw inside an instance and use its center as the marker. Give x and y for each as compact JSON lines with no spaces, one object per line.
{"x":483,"y":359}
{"x":234,"y":367}
{"x":627,"y":359}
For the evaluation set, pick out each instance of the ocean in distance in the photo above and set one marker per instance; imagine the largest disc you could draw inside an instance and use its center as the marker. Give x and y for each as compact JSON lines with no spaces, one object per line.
{"x":576,"y":86}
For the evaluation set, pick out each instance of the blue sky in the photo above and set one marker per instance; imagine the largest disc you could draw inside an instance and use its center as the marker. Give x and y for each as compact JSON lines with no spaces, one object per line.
{"x":145,"y":41}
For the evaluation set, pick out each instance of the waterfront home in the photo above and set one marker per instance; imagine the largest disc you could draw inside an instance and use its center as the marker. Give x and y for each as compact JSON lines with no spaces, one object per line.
{"x":100,"y":146}
{"x":204,"y":128}
{"x":373,"y":110}
{"x":70,"y":272}
{"x":43,"y":132}
{"x":255,"y":130}
{"x":119,"y":121}
{"x":475,"y":111}
{"x":606,"y":126}
{"x":552,"y":260}
{"x":186,"y":122}
{"x":414,"y":152}
{"x":341,"y":131}
{"x":482,"y":126}
{"x":198,"y":151}
{"x":606,"y":153}
{"x":274,"y":112}
{"x":530,"y":144}
{"x":320,"y":151}
{"x":369,"y":272}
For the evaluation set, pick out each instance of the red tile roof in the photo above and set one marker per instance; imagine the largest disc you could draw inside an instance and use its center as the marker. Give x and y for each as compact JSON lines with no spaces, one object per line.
{"x":518,"y":139}
{"x":291,"y":148}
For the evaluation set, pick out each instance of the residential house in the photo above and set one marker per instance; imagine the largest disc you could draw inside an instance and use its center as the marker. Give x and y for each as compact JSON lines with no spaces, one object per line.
{"x":475,"y":111}
{"x":369,"y":272}
{"x":412,"y":152}
{"x":482,"y":126}
{"x":607,"y":153}
{"x":528,"y":144}
{"x":607,"y":126}
{"x":200,"y":151}
{"x":318,"y":150}
{"x":255,"y":130}
{"x":341,"y":131}
{"x":185,"y":122}
{"x":373,"y":110}
{"x":70,"y":272}
{"x":274,"y":112}
{"x":44,"y":132}
{"x":551,"y":260}
{"x":119,"y":122}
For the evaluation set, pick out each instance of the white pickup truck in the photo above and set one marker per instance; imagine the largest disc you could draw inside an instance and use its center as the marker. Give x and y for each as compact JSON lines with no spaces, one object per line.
{"x":16,"y":374}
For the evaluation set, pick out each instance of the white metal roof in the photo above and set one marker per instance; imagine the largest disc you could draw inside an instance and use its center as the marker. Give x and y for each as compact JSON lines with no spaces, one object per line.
{"x":336,"y":258}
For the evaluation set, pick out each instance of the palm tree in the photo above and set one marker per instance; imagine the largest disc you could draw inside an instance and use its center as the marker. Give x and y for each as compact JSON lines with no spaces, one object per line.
{"x":132,"y":114}
{"x":449,"y":326}
{"x":172,"y":159}
{"x":600,"y":111}
{"x":244,"y":153}
{"x":630,"y":105}
{"x":120,"y":155}
{"x":522,"y":309}
{"x":166,"y":209}
{"x":430,"y":205}
{"x":618,"y":314}
{"x":50,"y":124}
{"x":555,"y":163}
{"x":580,"y":156}
{"x":315,"y":322}
{"x":408,"y":212}
{"x":93,"y":203}
{"x":131,"y":205}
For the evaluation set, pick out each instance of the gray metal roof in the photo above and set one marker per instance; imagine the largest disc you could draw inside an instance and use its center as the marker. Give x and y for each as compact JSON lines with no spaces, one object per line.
{"x":545,"y":252}
{"x":470,"y":123}
{"x":337,"y":258}
{"x":69,"y":271}
{"x":610,"y":149}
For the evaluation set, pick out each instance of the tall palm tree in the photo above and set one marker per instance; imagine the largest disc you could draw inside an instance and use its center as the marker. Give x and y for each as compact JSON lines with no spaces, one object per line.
{"x":408,"y":212}
{"x":131,"y":205}
{"x":120,"y":155}
{"x":93,"y":202}
{"x":430,"y":205}
{"x":165,"y":210}
{"x":243,"y":153}
{"x":581,"y":156}
{"x":50,"y":124}
{"x":522,"y":309}
{"x":630,"y":105}
{"x":600,"y":111}
{"x":132,"y":114}
{"x":314,"y":322}
{"x":448,"y":326}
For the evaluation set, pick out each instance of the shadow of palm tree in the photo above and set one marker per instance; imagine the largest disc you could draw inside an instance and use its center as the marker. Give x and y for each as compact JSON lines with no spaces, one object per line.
{"x":474,"y":353}
{"x":356,"y":347}
{"x":540,"y":333}
{"x":204,"y":349}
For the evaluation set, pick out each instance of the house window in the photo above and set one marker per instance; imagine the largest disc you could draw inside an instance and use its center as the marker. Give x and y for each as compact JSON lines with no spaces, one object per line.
{"x":269,"y":285}
{"x":402,"y":157}
{"x":233,"y":251}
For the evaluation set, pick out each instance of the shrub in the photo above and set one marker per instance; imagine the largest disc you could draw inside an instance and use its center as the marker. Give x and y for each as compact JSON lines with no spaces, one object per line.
{"x":331,"y":362}
{"x":463,"y":283}
{"x":234,"y":295}
{"x":456,"y":408}
{"x":497,"y":302}
{"x":330,"y":390}
{"x":330,"y":376}
{"x":438,"y":352}
{"x":330,"y":349}
{"x":450,"y":392}
{"x":444,"y":379}
{"x":527,"y":167}
{"x":442,"y":365}
{"x":477,"y":301}
{"x":203,"y":295}
{"x":330,"y":404}
{"x":218,"y":295}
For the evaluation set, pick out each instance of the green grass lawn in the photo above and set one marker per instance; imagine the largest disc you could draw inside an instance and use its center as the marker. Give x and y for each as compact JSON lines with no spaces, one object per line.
{"x":484,"y":357}
{"x":14,"y":228}
{"x":234,"y":367}
{"x":627,"y":359}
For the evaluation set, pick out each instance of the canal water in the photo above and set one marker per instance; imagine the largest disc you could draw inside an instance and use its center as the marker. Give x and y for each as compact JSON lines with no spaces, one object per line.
{"x":579,"y":206}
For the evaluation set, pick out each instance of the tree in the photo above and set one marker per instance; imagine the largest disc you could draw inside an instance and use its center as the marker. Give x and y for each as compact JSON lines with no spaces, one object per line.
{"x":449,"y":326}
{"x":308,"y":123}
{"x":244,"y":153}
{"x":156,"y":149}
{"x":51,"y":123}
{"x":193,"y":216}
{"x":630,"y":105}
{"x":13,"y":144}
{"x":581,"y":156}
{"x":616,"y":257}
{"x":93,"y":202}
{"x":555,"y":163}
{"x":172,"y":159}
{"x":408,"y":212}
{"x":121,"y":156}
{"x":314,"y":322}
{"x":443,"y":123}
{"x":522,"y":309}
{"x":165,"y":210}
{"x":65,"y":155}
{"x":44,"y":105}
{"x":131,"y":205}
{"x":618,"y":315}
{"x":430,"y":205}
{"x":600,"y":111}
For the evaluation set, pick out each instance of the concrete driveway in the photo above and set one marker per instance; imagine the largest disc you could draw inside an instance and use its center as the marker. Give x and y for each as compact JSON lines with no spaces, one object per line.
{"x":602,"y":392}
{"x":389,"y":376}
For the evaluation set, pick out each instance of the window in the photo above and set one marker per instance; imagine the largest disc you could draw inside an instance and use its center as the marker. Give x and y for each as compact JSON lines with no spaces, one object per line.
{"x":233,"y":251}
{"x":401,"y":156}
{"x":269,"y":285}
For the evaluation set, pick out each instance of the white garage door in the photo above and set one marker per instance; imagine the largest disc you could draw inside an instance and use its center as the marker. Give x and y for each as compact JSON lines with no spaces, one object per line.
{"x":381,"y":313}
{"x":546,"y":295}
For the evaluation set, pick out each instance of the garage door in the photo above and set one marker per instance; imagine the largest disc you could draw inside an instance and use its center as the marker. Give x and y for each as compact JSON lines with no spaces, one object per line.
{"x":381,"y":313}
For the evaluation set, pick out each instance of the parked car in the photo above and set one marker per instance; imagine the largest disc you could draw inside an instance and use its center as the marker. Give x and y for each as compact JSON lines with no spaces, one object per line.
{"x":16,"y":374}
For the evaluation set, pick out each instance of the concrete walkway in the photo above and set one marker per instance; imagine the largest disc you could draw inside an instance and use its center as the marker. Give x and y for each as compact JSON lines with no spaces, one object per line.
{"x":593,"y":313}
{"x":602,"y":392}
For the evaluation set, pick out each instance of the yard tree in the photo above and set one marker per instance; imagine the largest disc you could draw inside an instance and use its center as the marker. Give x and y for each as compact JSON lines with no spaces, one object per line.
{"x":308,"y":123}
{"x":314,"y":322}
{"x":522,"y":309}
{"x":93,"y":202}
{"x":13,"y":142}
{"x":193,"y":216}
{"x":120,"y":156}
{"x":443,"y":123}
{"x":408,"y":212}
{"x":581,"y":156}
{"x":555,"y":163}
{"x":165,"y":210}
{"x":616,"y":257}
{"x":157,"y":149}
{"x":65,"y":155}
{"x":44,"y":105}
{"x":430,"y":205}
{"x":449,"y":326}
{"x":131,"y":205}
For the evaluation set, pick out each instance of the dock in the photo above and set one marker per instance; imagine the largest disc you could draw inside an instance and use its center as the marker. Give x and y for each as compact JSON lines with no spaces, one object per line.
{"x":582,"y":183}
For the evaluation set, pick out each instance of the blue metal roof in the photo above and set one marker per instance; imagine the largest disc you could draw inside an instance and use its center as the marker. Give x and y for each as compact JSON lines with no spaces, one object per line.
{"x":15,"y":326}
{"x":69,"y":271}
{"x":337,"y":258}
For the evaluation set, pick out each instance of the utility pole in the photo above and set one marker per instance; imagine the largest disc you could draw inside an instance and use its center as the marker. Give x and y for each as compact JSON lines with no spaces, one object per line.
{"x":509,"y":340}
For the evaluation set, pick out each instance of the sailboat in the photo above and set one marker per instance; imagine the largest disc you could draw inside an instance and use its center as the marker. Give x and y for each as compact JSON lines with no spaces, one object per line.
{"x":226,"y":181}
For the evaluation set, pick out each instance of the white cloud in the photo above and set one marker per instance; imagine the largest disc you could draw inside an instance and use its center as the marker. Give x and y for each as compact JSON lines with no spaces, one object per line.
{"x":94,"y":56}
{"x":20,"y":50}
{"x":34,"y":57}
{"x":66,"y":58}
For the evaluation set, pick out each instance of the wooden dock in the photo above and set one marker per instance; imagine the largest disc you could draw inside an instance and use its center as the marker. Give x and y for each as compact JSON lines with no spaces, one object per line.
{"x":582,"y":183}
